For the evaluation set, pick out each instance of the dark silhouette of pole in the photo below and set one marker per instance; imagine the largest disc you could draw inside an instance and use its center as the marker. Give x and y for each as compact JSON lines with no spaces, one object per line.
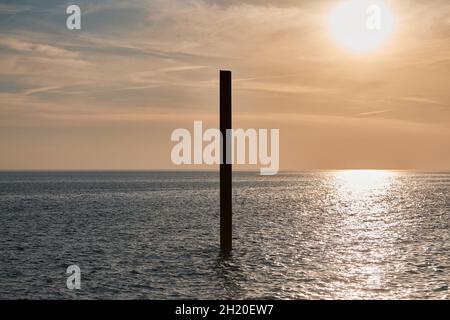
{"x":225,"y":166}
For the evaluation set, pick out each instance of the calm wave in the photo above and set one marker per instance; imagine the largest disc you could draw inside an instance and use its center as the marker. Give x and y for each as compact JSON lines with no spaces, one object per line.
{"x":296,"y":235}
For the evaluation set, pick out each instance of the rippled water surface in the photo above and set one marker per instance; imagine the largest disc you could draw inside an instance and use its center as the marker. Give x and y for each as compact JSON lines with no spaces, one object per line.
{"x":346,"y":234}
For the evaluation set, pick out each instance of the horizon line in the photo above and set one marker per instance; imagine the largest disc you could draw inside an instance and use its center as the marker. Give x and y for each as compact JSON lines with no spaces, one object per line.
{"x":217,"y":170}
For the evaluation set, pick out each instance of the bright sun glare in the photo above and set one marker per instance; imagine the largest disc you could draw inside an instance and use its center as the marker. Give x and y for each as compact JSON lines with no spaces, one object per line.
{"x":361,"y":25}
{"x":363,"y":181}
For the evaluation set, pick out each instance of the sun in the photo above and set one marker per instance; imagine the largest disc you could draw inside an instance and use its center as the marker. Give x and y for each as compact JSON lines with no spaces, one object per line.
{"x":361,"y":26}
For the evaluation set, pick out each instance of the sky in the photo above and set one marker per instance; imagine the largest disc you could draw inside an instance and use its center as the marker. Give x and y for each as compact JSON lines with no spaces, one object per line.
{"x":108,"y":96}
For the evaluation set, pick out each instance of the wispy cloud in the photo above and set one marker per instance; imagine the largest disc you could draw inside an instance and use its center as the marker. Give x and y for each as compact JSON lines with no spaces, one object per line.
{"x":40,"y":90}
{"x":281,"y":88}
{"x":165,"y":55}
{"x":373,"y":113}
{"x":37,"y":48}
{"x":420,"y":100}
{"x":10,"y":9}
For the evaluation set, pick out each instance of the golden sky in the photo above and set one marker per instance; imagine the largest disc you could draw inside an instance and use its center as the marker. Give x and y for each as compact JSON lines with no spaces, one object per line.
{"x":109,"y":95}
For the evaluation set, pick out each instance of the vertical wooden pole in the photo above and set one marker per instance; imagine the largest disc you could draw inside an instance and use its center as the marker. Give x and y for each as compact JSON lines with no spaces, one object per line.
{"x":225,"y":166}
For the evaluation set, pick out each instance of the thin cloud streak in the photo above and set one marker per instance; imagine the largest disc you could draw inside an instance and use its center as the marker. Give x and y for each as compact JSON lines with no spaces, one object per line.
{"x":40,"y":90}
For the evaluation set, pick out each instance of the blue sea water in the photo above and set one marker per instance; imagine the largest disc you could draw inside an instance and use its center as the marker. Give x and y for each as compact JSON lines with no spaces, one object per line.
{"x":154,"y":235}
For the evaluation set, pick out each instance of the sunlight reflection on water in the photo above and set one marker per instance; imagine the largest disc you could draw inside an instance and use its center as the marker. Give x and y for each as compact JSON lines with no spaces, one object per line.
{"x":368,"y":227}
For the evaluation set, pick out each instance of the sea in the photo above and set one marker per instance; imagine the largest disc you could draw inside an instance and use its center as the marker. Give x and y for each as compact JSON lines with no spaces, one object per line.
{"x":155,"y":235}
